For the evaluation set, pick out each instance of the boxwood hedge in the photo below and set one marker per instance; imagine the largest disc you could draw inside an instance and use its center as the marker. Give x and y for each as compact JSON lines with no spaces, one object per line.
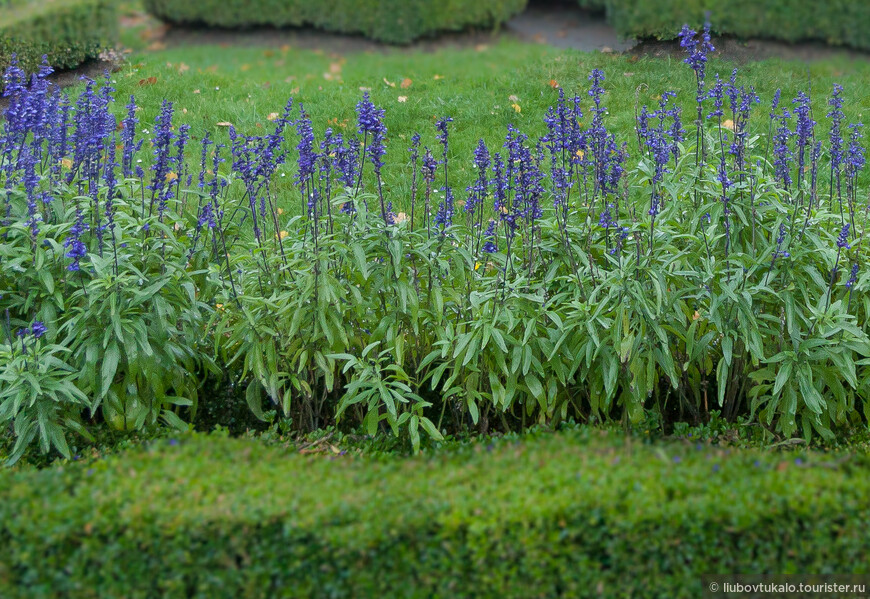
{"x":67,"y":31}
{"x":572,"y":515}
{"x":838,"y":22}
{"x":392,"y":21}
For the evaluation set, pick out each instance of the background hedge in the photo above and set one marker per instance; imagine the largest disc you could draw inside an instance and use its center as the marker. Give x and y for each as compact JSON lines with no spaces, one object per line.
{"x":838,"y":22}
{"x":573,"y":515}
{"x":68,"y":31}
{"x":392,"y":21}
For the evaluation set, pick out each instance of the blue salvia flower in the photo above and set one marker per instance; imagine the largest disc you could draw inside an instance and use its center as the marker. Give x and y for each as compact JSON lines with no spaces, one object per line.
{"x":606,"y":220}
{"x":779,"y":252}
{"x":804,"y":129}
{"x":307,"y":162}
{"x":855,"y":158}
{"x":370,"y":124}
{"x":716,"y":94}
{"x":38,"y":329}
{"x":477,"y":191}
{"x":74,"y":244}
{"x":843,"y":237}
{"x":31,"y":182}
{"x":853,"y":276}
{"x":782,"y":151}
{"x":490,"y":247}
{"x":162,"y":142}
{"x":128,"y":138}
{"x":697,"y":52}
{"x":836,"y":116}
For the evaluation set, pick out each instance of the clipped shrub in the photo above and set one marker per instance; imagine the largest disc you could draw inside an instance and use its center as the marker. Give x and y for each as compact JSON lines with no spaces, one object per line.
{"x":391,"y":21}
{"x":838,"y":22}
{"x":568,"y":516}
{"x":67,"y":31}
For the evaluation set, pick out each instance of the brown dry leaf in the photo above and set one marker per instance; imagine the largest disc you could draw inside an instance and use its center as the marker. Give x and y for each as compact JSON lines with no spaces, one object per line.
{"x":273,"y":116}
{"x":66,"y":163}
{"x":155,"y":46}
{"x":696,"y":316}
{"x":212,"y":69}
{"x":285,"y":48}
{"x":171,"y":176}
{"x":335,"y":68}
{"x":406,"y":83}
{"x":196,"y":91}
{"x":554,"y":84}
{"x":481,"y":47}
{"x":401,"y":217}
{"x":224,"y":124}
{"x":245,"y":67}
{"x":295,"y":90}
{"x":148,"y":81}
{"x":183,"y":68}
{"x":390,"y":83}
{"x":728,"y":124}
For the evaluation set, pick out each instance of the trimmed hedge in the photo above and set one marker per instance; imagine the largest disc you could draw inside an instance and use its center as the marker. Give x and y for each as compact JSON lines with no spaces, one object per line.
{"x":568,"y":516}
{"x":837,"y":22}
{"x":67,"y":31}
{"x":392,"y":21}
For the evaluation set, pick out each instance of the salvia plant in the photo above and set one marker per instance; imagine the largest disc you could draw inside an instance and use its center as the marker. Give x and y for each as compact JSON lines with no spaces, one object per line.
{"x":579,"y":275}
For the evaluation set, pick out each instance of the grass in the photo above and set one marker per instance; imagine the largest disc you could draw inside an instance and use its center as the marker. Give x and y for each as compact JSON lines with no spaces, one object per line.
{"x":483,"y":88}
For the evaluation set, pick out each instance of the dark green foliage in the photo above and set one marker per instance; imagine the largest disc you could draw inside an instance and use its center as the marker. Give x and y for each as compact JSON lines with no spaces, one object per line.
{"x":568,"y":516}
{"x":67,"y":31}
{"x":839,"y":22}
{"x":391,"y":21}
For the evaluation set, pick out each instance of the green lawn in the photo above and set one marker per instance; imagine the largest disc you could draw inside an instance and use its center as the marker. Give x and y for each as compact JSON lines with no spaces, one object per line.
{"x":483,"y":89}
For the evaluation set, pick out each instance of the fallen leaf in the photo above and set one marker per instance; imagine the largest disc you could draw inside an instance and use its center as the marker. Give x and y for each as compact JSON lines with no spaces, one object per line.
{"x":606,"y":50}
{"x":629,"y":74}
{"x":66,"y":163}
{"x":224,"y":124}
{"x":148,"y":81}
{"x":196,"y":91}
{"x":390,"y":83}
{"x":335,"y":68}
{"x":513,"y":98}
{"x":183,"y":68}
{"x":365,"y":89}
{"x":245,"y":67}
{"x":171,"y":176}
{"x":481,"y":47}
{"x":285,"y":47}
{"x":403,"y":98}
{"x":554,"y":84}
{"x":155,"y":46}
{"x":401,"y":217}
{"x":728,"y":124}
{"x":437,"y":77}
{"x":406,"y":83}
{"x":273,"y":116}
{"x":516,"y":107}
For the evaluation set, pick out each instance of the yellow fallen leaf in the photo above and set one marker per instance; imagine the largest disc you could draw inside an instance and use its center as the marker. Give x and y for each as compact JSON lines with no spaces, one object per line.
{"x":390,"y":83}
{"x":580,"y":154}
{"x":516,"y":107}
{"x":728,"y":124}
{"x":403,"y":98}
{"x":476,"y":265}
{"x":401,"y":217}
{"x":280,"y":211}
{"x":282,"y":235}
{"x":66,"y":163}
{"x":171,"y":176}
